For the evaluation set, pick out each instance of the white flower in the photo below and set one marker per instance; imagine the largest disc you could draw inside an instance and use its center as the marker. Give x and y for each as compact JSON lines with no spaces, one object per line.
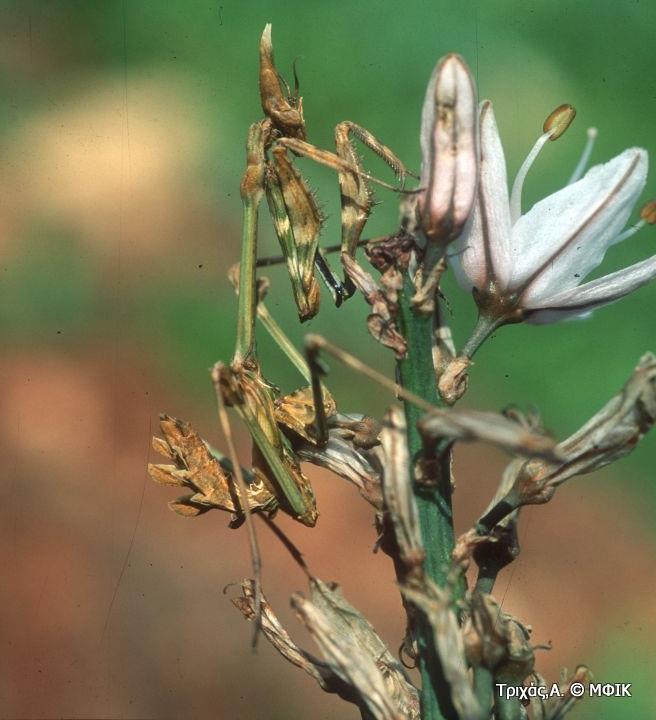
{"x":530,"y":267}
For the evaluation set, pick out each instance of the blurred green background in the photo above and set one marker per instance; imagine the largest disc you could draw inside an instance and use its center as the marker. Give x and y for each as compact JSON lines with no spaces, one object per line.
{"x":122,"y":129}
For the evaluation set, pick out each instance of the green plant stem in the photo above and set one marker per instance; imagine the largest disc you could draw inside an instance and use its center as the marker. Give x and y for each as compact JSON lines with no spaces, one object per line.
{"x":509,"y":709}
{"x":416,"y":374}
{"x":483,"y":686}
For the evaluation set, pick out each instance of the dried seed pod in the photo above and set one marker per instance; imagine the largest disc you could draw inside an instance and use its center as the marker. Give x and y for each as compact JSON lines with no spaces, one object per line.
{"x":454,"y":379}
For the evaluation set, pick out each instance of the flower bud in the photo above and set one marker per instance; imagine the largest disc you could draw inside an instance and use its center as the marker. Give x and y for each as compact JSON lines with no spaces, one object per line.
{"x":559,"y":120}
{"x":449,"y":150}
{"x":648,"y":213}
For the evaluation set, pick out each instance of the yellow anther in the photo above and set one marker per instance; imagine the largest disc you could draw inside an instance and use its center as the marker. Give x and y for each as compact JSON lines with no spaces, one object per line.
{"x":648,"y":213}
{"x":558,"y":121}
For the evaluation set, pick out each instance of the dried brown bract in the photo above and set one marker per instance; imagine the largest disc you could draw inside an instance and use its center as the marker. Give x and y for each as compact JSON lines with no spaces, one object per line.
{"x":384,"y":303}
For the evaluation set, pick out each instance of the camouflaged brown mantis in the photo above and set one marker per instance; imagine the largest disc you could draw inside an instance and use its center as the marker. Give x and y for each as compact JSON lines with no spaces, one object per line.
{"x":277,"y":422}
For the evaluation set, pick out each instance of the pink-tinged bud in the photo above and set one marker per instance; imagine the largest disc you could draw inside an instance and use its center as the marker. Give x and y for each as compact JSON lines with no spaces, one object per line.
{"x":449,"y":150}
{"x":648,"y":213}
{"x":559,"y":120}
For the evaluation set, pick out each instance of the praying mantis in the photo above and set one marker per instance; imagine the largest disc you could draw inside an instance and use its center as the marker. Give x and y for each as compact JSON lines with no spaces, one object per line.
{"x":305,"y":424}
{"x":277,"y":423}
{"x":294,"y":211}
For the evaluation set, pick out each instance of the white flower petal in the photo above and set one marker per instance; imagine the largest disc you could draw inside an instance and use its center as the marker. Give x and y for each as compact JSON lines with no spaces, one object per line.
{"x":482,"y":252}
{"x":565,"y":236}
{"x":582,"y":300}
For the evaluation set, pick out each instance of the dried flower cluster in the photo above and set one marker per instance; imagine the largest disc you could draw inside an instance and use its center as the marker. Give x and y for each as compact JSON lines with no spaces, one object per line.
{"x":519,"y":267}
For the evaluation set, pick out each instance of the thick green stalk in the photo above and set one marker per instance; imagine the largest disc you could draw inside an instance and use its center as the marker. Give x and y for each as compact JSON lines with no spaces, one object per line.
{"x":416,"y":373}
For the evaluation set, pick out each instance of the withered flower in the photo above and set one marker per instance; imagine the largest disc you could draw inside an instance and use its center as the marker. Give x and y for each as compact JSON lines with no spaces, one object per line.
{"x":608,"y":436}
{"x":356,"y":654}
{"x":449,"y":426}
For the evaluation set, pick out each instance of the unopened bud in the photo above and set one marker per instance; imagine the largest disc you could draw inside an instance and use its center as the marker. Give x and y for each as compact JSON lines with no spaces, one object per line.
{"x":448,"y":148}
{"x":648,"y":213}
{"x":559,"y":120}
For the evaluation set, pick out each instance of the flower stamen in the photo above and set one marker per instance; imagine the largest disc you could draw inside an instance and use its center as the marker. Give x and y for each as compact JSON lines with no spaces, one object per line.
{"x":585,"y":156}
{"x":554,"y":126}
{"x":647,"y":217}
{"x":648,"y":213}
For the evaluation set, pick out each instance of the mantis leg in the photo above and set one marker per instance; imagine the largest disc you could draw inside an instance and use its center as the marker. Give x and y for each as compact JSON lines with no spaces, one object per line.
{"x":356,"y":195}
{"x":241,"y":384}
{"x":355,"y":190}
{"x":251,"y":189}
